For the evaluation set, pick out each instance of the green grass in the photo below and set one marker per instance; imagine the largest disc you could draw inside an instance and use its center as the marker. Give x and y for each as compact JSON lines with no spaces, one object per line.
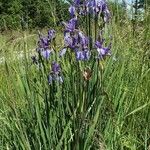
{"x":110,"y":112}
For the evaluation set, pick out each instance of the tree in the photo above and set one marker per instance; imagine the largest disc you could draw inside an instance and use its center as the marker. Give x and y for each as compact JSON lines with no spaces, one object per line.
{"x":31,"y":13}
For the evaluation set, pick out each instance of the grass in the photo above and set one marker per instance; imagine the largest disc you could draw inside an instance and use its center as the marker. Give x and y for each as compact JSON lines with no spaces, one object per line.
{"x":113,"y":115}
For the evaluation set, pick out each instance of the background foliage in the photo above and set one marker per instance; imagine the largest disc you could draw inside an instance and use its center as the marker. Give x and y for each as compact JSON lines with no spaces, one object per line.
{"x":24,"y":14}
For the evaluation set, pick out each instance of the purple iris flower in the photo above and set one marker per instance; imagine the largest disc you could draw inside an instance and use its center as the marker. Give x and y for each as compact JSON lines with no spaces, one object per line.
{"x":56,"y":68}
{"x":83,"y":55}
{"x":46,"y":53}
{"x":71,"y":25}
{"x":103,"y":51}
{"x":98,"y":6}
{"x":88,"y":6}
{"x":78,"y":42}
{"x":98,"y":44}
{"x":71,"y":40}
{"x":51,"y":34}
{"x":83,"y":40}
{"x":103,"y":8}
{"x":79,"y":55}
{"x":102,"y":5}
{"x":43,"y":42}
{"x":87,"y":54}
{"x":72,"y":11}
{"x":55,"y":74}
{"x":91,"y":6}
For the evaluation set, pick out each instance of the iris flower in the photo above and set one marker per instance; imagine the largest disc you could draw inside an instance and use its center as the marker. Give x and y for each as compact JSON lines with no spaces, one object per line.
{"x":102,"y":51}
{"x":55,"y":74}
{"x":71,"y":25}
{"x":44,"y":44}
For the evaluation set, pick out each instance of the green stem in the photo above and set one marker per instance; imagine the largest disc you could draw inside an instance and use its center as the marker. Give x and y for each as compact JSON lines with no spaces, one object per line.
{"x":96,"y":26}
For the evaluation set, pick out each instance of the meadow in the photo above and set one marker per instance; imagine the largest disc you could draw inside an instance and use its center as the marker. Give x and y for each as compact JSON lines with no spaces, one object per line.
{"x":102,"y":104}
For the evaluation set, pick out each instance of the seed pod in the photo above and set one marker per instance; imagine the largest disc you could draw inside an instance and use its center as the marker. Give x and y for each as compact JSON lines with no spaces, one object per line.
{"x":87,"y":73}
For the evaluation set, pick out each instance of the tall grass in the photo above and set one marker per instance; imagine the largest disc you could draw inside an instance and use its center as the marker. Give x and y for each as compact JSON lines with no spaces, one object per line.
{"x":113,"y":115}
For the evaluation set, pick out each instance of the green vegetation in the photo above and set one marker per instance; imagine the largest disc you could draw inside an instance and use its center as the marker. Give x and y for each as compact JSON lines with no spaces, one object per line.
{"x":27,"y":14}
{"x":35,"y":115}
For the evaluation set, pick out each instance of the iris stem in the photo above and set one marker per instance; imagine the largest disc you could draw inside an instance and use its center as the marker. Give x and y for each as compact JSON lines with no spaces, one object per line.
{"x":90,"y":31}
{"x":96,"y":26}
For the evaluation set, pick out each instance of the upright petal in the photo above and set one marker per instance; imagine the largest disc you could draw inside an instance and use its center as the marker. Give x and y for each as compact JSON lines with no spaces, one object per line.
{"x":51,"y":34}
{"x":56,"y":68}
{"x":72,"y":11}
{"x":77,"y":2}
{"x":71,"y":25}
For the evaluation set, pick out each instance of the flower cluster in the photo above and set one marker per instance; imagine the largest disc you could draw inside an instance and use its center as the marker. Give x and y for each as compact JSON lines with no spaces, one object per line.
{"x":101,"y":49}
{"x":90,"y":6}
{"x":44,"y":44}
{"x":98,"y":7}
{"x":78,"y":43}
{"x":75,"y":40}
{"x":45,"y":50}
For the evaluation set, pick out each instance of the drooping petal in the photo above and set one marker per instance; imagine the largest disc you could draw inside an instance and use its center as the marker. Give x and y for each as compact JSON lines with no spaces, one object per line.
{"x":46,"y":53}
{"x":62,"y":52}
{"x":87,"y":55}
{"x":68,"y":41}
{"x":102,"y":52}
{"x":82,"y":55}
{"x":83,"y":40}
{"x":98,"y":44}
